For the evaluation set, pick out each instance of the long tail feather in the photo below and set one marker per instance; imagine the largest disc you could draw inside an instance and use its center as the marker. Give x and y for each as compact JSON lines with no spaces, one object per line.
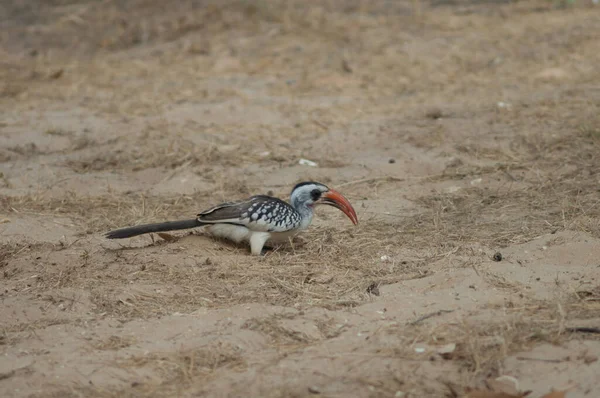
{"x":158,"y":227}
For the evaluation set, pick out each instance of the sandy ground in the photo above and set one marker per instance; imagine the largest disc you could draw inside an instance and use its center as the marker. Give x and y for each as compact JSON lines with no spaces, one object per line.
{"x":466,"y":134}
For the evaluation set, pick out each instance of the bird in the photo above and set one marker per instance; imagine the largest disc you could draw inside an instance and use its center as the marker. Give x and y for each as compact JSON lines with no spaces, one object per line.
{"x":256,"y":220}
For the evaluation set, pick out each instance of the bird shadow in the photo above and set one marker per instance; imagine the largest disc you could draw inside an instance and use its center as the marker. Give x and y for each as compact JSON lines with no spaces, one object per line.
{"x":165,"y":239}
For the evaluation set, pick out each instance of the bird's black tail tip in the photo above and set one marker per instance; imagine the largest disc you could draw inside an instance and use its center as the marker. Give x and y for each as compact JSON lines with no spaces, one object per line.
{"x":113,"y":235}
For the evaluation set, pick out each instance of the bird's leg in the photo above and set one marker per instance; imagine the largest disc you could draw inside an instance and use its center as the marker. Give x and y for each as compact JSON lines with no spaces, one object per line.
{"x":257,"y":242}
{"x":268,"y":249}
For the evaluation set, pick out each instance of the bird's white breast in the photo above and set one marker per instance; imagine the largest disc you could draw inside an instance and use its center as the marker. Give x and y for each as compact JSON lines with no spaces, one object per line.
{"x":239,"y":233}
{"x":235,"y":233}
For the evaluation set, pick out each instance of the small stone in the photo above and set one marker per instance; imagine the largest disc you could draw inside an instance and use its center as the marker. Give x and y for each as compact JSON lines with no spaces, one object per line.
{"x":392,"y":161}
{"x":454,"y":162}
{"x":314,"y":390}
{"x":590,"y":359}
{"x":346,"y":66}
{"x":553,"y":74}
{"x":227,"y":64}
{"x":373,"y":289}
{"x":506,"y":385}
{"x":447,"y":351}
{"x":434,"y":113}
{"x":306,"y":162}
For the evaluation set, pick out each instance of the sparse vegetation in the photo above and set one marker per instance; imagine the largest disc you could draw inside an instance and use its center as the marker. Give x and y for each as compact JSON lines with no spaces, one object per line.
{"x":466,"y":134}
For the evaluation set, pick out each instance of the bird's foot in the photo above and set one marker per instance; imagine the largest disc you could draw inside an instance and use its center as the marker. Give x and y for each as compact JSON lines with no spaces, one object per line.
{"x":266,"y":250}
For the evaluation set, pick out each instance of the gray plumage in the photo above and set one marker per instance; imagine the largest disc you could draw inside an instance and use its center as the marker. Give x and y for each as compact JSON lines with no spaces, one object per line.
{"x":257,"y":220}
{"x":259,"y":213}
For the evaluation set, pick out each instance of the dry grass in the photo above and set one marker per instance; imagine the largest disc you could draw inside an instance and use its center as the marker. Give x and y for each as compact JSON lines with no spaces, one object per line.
{"x":109,"y":211}
{"x":554,"y":190}
{"x":299,"y":79}
{"x":168,"y":148}
{"x":335,"y":267}
{"x":186,"y":364}
{"x":173,"y":373}
{"x":277,"y":333}
{"x":481,"y":347}
{"x":9,"y":250}
{"x":113,"y":343}
{"x":315,"y":274}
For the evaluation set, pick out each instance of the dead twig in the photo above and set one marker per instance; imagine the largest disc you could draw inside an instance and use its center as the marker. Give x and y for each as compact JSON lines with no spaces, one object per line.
{"x":540,"y":359}
{"x":583,"y":329}
{"x":7,"y":375}
{"x":431,"y":315}
{"x":366,"y":180}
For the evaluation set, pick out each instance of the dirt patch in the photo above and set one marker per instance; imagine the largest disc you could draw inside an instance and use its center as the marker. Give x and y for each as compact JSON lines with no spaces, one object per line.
{"x":466,"y":134}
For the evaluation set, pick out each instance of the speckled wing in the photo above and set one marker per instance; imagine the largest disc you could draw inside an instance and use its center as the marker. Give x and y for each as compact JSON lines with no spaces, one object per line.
{"x":260,"y":213}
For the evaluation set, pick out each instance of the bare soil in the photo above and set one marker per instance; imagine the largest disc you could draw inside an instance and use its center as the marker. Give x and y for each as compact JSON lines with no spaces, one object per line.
{"x":465,"y":133}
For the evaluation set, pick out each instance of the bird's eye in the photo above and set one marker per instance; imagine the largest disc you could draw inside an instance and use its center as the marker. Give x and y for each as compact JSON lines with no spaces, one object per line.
{"x":315,"y":194}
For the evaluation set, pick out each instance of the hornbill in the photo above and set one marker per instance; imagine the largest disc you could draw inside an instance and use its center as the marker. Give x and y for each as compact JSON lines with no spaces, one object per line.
{"x":256,"y":220}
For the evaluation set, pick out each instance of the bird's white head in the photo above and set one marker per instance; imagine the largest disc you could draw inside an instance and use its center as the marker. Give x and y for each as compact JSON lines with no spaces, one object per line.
{"x":306,"y":195}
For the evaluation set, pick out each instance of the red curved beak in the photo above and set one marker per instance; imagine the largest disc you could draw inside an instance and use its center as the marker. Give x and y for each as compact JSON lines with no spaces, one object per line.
{"x":337,"y":200}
